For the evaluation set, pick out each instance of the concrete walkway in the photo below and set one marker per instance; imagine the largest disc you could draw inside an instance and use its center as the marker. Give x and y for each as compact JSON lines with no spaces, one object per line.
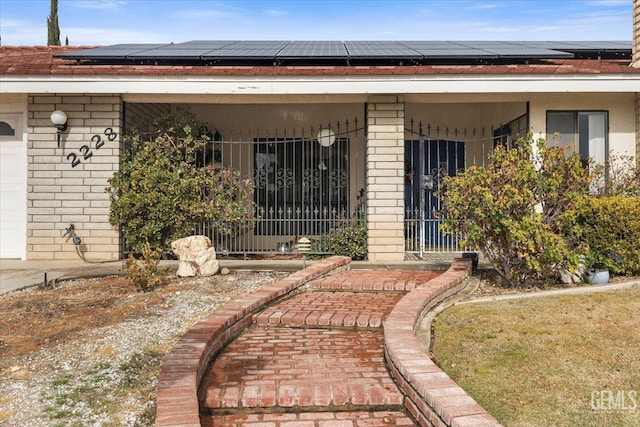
{"x":18,"y":274}
{"x":579,"y":290}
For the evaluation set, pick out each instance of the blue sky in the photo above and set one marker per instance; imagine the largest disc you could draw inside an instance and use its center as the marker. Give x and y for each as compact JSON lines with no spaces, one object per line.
{"x":105,"y":22}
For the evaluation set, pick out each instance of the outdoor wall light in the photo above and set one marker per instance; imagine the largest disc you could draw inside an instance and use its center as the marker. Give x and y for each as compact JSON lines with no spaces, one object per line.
{"x":326,"y":137}
{"x":59,"y":120}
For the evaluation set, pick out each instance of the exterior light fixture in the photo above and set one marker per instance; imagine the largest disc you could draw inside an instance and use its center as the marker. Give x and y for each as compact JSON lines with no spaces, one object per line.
{"x":326,"y":137}
{"x":59,"y":120}
{"x":304,"y":247}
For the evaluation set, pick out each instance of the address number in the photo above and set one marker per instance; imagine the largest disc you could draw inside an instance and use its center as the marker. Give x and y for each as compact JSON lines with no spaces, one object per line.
{"x":86,"y":152}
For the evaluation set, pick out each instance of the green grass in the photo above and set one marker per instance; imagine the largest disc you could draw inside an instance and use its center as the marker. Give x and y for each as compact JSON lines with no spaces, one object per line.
{"x":549,"y":361}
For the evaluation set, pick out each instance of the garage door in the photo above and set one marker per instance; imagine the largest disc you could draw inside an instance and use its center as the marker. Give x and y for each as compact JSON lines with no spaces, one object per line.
{"x":13,"y":188}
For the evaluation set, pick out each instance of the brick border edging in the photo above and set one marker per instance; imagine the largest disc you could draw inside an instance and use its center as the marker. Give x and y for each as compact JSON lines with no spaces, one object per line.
{"x":178,"y":402}
{"x":431,"y":397}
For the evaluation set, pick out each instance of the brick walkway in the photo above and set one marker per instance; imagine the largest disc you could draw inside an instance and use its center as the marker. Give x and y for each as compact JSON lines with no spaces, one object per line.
{"x":315,"y":359}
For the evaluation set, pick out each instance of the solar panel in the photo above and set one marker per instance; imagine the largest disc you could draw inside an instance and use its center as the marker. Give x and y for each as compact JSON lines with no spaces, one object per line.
{"x":574,"y":46}
{"x":379,"y":49}
{"x":316,"y":49}
{"x":258,"y":49}
{"x":117,"y":51}
{"x":205,"y":44}
{"x":527,"y":52}
{"x":417,"y":50}
{"x":457,"y":53}
{"x":170,"y":52}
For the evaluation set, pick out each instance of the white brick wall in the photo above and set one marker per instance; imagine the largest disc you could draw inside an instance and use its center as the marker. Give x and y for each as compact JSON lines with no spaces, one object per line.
{"x":385,"y":179}
{"x":60,"y":194}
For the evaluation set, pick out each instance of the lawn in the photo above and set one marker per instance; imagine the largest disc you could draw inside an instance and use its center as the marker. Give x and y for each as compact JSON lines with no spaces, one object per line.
{"x":548,"y":361}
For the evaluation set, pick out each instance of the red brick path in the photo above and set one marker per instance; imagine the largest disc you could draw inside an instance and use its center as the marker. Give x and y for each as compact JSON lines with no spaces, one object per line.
{"x":315,"y":359}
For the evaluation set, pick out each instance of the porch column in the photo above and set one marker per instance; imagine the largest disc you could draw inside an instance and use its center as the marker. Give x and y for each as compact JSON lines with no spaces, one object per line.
{"x":385,"y":178}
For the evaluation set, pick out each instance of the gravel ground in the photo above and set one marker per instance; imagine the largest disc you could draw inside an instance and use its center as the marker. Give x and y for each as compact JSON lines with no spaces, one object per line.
{"x":107,"y":376}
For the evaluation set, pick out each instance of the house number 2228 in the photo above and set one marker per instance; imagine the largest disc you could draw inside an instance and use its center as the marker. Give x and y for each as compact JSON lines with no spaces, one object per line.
{"x":85,"y":150}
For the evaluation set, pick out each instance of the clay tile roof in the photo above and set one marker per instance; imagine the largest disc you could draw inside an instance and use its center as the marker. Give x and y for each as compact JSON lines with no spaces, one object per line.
{"x":39,"y":60}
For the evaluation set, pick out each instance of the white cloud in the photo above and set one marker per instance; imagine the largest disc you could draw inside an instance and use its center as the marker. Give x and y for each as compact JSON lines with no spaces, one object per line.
{"x":274,"y":12}
{"x":12,"y":23}
{"x":98,"y":4}
{"x":503,"y":29}
{"x":202,"y":15}
{"x":485,"y":6}
{"x":545,"y":28}
{"x":17,"y":32}
{"x":611,"y":3}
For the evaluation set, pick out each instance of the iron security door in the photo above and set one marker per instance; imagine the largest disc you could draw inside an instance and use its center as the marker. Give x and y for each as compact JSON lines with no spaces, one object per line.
{"x":301,"y":187}
{"x":427,"y":162}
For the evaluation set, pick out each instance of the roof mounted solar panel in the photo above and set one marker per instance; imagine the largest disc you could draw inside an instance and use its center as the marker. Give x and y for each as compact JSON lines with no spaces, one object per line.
{"x":380,"y":49}
{"x":480,"y":50}
{"x":118,"y":51}
{"x":205,"y":44}
{"x":526,"y":52}
{"x":313,"y":49}
{"x":171,"y":52}
{"x":278,"y":52}
{"x":257,"y":49}
{"x":580,"y":46}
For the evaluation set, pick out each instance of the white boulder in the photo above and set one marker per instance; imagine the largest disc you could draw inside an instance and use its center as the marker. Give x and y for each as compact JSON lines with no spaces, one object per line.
{"x":196,"y":256}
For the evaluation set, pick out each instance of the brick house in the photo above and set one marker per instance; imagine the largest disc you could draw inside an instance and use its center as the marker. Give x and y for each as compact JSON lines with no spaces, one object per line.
{"x":324,"y":136}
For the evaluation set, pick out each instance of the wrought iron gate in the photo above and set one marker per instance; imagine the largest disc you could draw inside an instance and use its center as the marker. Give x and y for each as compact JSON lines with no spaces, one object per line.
{"x":427,"y":162}
{"x":432,"y":155}
{"x":303,"y":186}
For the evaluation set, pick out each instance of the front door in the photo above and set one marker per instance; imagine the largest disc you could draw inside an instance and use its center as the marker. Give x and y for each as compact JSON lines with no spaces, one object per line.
{"x":427,"y":161}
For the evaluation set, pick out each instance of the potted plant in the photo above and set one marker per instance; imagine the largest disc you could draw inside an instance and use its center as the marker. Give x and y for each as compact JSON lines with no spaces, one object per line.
{"x":596,"y":271}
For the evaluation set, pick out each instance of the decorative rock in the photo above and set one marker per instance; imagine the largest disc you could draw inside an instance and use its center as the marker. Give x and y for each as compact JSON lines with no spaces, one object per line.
{"x":224,"y":271}
{"x":197,"y":257}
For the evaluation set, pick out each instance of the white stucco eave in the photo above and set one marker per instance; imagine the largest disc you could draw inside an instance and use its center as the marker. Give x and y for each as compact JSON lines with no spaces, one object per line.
{"x":310,"y":85}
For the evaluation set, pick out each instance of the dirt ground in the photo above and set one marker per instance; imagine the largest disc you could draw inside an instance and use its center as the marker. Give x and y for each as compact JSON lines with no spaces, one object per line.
{"x":30,"y":320}
{"x":88,"y":351}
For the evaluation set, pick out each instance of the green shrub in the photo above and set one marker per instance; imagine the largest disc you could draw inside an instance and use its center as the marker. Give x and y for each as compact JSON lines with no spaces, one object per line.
{"x":145,"y":273}
{"x":512,"y":209}
{"x":619,"y":176}
{"x":346,"y":239}
{"x":606,"y":228}
{"x":161,"y":192}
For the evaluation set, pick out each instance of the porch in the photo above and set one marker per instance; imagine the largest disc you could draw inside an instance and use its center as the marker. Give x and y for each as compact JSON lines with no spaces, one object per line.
{"x":317,"y":166}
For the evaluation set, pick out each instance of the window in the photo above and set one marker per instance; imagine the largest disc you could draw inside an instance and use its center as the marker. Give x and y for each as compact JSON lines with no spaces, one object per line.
{"x":6,"y":129}
{"x":586,"y":131}
{"x":11,"y":127}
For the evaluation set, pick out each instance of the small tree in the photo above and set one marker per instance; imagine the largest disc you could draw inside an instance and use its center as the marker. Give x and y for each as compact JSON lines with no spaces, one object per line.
{"x":53,"y":29}
{"x":512,"y":209}
{"x":161,"y":192}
